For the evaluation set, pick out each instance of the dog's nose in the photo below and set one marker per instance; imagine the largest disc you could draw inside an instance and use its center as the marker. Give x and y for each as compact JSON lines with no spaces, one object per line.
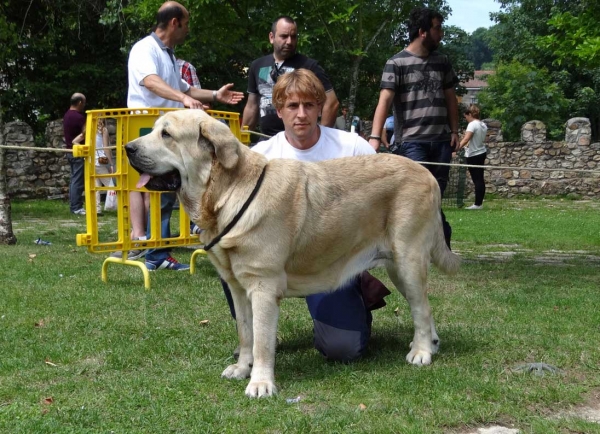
{"x":130,"y":148}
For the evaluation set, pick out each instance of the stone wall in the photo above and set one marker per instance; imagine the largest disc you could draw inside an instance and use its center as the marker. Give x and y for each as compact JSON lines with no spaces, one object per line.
{"x":35,"y":174}
{"x":534,"y":152}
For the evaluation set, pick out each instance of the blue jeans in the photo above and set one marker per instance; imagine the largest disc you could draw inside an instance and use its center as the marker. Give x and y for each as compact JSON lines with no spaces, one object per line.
{"x":341,"y":322}
{"x":77,"y":183}
{"x":435,"y":152}
{"x":167,"y":200}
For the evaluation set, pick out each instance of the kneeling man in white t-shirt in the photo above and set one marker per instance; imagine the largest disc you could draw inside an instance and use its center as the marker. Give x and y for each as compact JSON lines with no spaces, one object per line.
{"x":342,"y":319}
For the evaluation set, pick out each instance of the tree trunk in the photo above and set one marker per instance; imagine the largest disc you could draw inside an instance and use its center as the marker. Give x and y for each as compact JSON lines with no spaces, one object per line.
{"x":353,"y":90}
{"x":6,"y":232}
{"x":356,"y":69}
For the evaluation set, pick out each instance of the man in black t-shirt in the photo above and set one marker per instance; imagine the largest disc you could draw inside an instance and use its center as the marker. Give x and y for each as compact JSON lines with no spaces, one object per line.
{"x":263,"y":76}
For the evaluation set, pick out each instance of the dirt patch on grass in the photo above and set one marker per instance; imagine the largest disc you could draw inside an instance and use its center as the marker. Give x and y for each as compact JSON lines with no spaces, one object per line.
{"x":553,"y":257}
{"x":589,"y":410}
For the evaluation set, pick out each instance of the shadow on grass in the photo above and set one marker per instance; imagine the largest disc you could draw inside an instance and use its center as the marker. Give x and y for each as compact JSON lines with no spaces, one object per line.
{"x":296,"y":357}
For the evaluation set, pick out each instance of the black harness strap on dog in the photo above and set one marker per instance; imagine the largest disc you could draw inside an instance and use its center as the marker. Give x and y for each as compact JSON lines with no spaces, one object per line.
{"x":239,"y":214}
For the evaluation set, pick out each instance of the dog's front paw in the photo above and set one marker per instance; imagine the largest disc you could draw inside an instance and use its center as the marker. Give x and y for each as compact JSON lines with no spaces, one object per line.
{"x":435,"y":345}
{"x":261,"y":389}
{"x":237,"y":372}
{"x":419,"y":357}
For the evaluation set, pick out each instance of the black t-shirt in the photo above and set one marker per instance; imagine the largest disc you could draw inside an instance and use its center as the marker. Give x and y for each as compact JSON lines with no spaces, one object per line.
{"x":261,"y":83}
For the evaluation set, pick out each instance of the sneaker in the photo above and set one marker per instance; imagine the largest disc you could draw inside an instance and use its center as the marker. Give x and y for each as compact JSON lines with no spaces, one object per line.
{"x":170,"y":263}
{"x":195,"y":229}
{"x":133,"y":254}
{"x":80,"y":211}
{"x":475,"y":207}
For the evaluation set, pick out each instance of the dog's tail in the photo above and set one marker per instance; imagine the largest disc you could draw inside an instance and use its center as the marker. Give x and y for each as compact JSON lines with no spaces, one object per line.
{"x":441,"y":255}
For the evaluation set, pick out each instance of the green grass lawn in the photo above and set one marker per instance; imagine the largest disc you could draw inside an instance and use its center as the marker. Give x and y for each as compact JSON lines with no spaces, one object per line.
{"x":81,"y":356}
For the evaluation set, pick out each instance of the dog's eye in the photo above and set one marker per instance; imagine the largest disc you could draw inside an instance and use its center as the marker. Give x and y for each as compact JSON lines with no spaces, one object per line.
{"x":165,"y":134}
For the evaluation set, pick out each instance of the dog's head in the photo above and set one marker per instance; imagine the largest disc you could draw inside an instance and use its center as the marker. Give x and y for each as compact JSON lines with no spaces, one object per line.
{"x":178,"y":154}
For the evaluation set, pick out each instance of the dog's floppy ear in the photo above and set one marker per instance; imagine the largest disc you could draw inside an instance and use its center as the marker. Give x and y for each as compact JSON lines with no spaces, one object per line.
{"x":222,"y":139}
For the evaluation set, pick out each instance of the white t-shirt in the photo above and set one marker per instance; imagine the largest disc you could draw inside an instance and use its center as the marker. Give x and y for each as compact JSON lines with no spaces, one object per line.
{"x":332,"y":144}
{"x":148,"y":57}
{"x":476,"y":144}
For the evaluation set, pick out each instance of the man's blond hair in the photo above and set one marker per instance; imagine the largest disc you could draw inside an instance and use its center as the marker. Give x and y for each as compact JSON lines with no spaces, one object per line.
{"x":301,"y":82}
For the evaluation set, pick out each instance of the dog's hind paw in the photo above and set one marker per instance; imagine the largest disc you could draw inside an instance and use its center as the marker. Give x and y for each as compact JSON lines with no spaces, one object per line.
{"x":237,"y":372}
{"x":419,"y":358}
{"x":261,"y":389}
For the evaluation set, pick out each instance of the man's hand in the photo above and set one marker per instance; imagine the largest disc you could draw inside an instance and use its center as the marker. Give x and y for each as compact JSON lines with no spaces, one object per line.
{"x":375,"y":144}
{"x":192,"y":103}
{"x":455,"y":142}
{"x":228,"y":96}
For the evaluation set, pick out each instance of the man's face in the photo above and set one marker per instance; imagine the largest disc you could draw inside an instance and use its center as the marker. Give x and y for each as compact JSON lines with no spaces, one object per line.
{"x":344,"y":111}
{"x":434,"y":36}
{"x":81,"y":106}
{"x":300,"y":115}
{"x":284,"y":40}
{"x":181,"y":30}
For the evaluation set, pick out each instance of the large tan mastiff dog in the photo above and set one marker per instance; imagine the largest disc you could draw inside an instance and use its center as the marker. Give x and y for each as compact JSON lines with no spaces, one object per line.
{"x":309,"y":227}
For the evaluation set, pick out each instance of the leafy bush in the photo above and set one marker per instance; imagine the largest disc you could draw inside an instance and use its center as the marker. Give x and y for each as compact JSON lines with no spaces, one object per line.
{"x":518,"y":93}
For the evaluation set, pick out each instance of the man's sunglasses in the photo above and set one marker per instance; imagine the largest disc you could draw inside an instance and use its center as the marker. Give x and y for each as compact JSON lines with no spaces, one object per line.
{"x":276,"y":72}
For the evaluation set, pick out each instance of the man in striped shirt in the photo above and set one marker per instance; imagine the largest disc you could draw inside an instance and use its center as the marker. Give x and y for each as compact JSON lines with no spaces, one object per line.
{"x":420,"y":83}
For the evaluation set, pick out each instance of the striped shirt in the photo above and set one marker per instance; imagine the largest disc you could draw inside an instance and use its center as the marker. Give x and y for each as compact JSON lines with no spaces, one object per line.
{"x":419,"y":102}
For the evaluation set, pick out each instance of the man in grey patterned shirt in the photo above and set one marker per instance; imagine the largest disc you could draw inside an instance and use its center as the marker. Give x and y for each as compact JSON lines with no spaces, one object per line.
{"x":420,"y":83}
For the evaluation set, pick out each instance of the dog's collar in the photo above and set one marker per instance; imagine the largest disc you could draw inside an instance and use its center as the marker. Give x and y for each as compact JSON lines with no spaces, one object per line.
{"x":239,"y":214}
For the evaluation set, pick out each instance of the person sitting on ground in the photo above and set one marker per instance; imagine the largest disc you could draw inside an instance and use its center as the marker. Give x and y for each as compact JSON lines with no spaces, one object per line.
{"x":341,"y":319}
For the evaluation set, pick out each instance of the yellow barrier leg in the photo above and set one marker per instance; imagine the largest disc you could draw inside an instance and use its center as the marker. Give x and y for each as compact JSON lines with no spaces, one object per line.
{"x":193,"y":259}
{"x":121,"y":261}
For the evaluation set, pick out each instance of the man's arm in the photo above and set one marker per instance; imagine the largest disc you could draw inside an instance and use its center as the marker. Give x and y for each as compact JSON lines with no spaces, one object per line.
{"x":224,"y":95}
{"x":452,"y":108}
{"x":330,"y":109}
{"x":80,"y":138}
{"x":386,"y":96}
{"x":466,"y":139}
{"x":157,"y":85}
{"x":250,"y":116}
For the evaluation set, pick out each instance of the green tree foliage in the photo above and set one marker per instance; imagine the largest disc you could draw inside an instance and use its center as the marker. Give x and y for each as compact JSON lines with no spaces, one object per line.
{"x":518,"y":93}
{"x":575,"y":38}
{"x":457,"y":45}
{"x":53,"y":48}
{"x":480,"y":51}
{"x":545,"y":33}
{"x":56,"y":48}
{"x":351,"y":39}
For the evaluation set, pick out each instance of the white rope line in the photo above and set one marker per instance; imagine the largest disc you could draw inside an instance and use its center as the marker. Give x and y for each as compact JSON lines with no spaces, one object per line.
{"x":257,"y":133}
{"x":29,"y":148}
{"x":533,"y":169}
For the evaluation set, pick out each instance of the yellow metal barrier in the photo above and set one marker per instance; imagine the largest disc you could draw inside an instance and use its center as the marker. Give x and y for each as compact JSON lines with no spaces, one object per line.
{"x":131,"y":124}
